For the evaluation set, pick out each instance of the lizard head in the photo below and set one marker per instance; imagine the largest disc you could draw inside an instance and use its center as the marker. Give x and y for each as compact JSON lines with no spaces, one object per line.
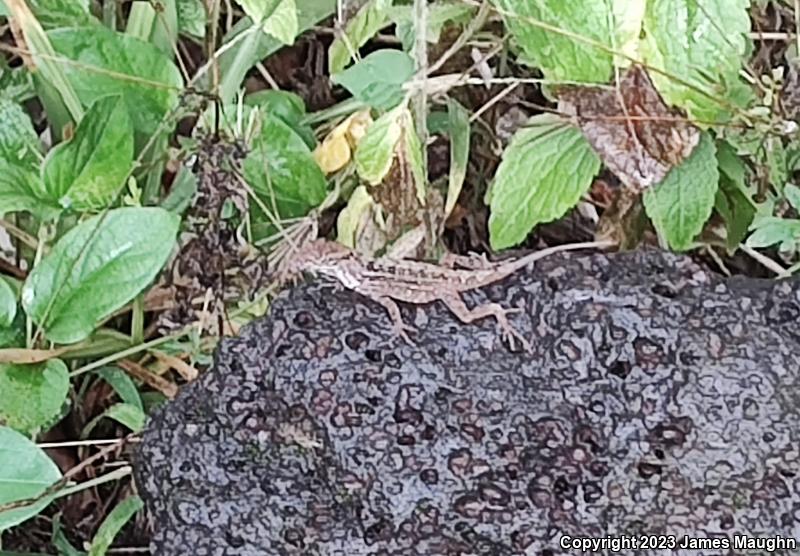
{"x":319,"y":256}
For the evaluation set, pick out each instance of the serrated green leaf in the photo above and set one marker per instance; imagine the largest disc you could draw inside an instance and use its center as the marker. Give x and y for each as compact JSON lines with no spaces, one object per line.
{"x":282,"y":23}
{"x":85,"y":172}
{"x":375,"y":151}
{"x":771,"y":230}
{"x":58,"y":13}
{"x":680,"y":205}
{"x":439,"y":15}
{"x":574,"y":40}
{"x":792,"y":194}
{"x":238,"y":55}
{"x":378,"y":79}
{"x":25,"y":472}
{"x":16,"y":84}
{"x":277,"y":17}
{"x":192,"y":18}
{"x":546,"y":168}
{"x":702,"y":43}
{"x":22,"y":190}
{"x":113,"y":523}
{"x":19,"y":144}
{"x":459,"y":131}
{"x":283,"y":174}
{"x":8,"y":305}
{"x":370,"y":18}
{"x":31,"y":396}
{"x":96,"y":268}
{"x":112,"y":63}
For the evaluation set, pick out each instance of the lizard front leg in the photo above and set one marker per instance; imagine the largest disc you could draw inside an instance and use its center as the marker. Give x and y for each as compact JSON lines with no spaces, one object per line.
{"x":398,"y":326}
{"x":467,"y":315}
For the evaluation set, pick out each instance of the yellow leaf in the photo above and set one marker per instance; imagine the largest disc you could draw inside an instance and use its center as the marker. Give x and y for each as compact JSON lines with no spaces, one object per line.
{"x":336,"y":150}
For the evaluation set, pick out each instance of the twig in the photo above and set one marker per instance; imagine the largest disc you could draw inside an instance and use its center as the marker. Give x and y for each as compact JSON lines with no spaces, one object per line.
{"x":471,"y":29}
{"x":765,"y":261}
{"x":62,"y":482}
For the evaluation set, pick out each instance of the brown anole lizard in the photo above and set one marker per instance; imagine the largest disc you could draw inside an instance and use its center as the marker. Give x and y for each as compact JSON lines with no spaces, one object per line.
{"x":388,"y":281}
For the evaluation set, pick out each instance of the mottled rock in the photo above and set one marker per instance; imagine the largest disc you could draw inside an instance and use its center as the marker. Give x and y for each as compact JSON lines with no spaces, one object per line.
{"x":659,"y":399}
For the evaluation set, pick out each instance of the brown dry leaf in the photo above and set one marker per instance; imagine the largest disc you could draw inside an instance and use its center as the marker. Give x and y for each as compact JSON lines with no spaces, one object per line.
{"x":187,"y":372}
{"x":26,"y":356}
{"x":636,"y":134}
{"x":151,"y":379}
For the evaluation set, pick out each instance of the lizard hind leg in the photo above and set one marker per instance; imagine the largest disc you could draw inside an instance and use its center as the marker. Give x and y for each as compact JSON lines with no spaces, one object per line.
{"x":399,"y":327}
{"x":467,"y":315}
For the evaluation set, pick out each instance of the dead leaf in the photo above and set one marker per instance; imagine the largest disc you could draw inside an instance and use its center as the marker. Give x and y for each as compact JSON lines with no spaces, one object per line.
{"x":187,"y":372}
{"x":151,"y":379}
{"x":636,"y":134}
{"x":26,"y":356}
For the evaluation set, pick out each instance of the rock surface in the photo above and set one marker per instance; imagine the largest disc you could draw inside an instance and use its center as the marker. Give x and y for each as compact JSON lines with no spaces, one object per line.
{"x":659,"y":399}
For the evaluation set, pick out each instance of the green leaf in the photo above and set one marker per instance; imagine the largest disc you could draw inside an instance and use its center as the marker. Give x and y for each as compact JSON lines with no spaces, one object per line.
{"x":96,"y":268}
{"x":574,"y":40}
{"x":413,"y":155}
{"x":182,"y":192}
{"x":370,"y":18}
{"x":8,"y":304}
{"x":241,"y":53}
{"x":59,"y":540}
{"x":439,"y":14}
{"x":776,"y":161}
{"x":21,"y":190}
{"x":771,"y":230}
{"x":113,"y":523}
{"x":112,"y":63}
{"x":352,"y":217}
{"x":792,"y":194}
{"x":15,"y":83}
{"x":277,"y":18}
{"x":458,"y":120}
{"x":375,"y":151}
{"x":25,"y":472}
{"x":283,"y":174}
{"x":282,"y":23}
{"x":545,"y":169}
{"x":58,"y":13}
{"x":19,"y":144}
{"x":31,"y":396}
{"x":733,"y":201}
{"x":192,"y":18}
{"x":378,"y":79}
{"x":702,"y":43}
{"x":129,"y":415}
{"x":680,"y":205}
{"x":287,"y":106}
{"x":85,"y":172}
{"x":122,"y":384}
